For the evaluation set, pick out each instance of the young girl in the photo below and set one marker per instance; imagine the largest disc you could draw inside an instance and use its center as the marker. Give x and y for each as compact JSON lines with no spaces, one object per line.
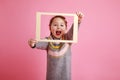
{"x":58,"y":54}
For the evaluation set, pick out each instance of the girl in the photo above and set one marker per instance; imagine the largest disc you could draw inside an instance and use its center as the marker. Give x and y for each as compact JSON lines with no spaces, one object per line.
{"x":58,"y":54}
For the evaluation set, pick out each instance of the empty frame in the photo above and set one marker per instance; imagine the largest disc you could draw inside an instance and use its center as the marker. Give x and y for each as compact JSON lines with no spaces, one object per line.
{"x":38,"y":26}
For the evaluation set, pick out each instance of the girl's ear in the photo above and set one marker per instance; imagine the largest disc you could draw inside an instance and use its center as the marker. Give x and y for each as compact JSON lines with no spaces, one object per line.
{"x":50,"y":28}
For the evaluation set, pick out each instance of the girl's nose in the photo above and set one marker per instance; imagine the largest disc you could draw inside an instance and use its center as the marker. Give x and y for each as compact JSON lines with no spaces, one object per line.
{"x":58,"y":27}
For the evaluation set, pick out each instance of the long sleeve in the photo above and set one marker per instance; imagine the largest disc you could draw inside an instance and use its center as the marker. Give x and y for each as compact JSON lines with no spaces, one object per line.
{"x":69,"y":34}
{"x":42,"y":45}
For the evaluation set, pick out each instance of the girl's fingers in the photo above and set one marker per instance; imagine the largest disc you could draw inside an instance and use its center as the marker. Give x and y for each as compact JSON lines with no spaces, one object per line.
{"x":79,"y":14}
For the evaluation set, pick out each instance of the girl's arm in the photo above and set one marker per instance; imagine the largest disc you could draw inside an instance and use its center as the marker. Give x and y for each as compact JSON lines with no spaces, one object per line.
{"x":37,"y":44}
{"x":69,"y":34}
{"x":42,"y":45}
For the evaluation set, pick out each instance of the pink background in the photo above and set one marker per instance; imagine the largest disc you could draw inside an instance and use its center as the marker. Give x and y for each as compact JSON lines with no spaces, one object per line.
{"x":95,"y":56}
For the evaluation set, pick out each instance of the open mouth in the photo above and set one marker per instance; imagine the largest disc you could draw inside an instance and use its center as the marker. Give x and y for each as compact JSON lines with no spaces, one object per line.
{"x":58,"y":33}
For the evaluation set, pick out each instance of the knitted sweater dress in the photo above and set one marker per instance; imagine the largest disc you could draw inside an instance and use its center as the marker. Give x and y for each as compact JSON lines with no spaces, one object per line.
{"x":58,"y":60}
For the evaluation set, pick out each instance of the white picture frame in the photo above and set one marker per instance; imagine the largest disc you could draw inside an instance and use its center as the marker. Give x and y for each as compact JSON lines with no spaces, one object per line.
{"x":38,"y":27}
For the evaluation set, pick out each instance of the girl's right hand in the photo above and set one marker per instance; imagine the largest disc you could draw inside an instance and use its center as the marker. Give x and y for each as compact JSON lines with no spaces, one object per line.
{"x":32,"y":43}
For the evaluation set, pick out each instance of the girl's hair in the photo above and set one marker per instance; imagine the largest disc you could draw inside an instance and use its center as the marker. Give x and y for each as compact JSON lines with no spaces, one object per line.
{"x":58,"y":16}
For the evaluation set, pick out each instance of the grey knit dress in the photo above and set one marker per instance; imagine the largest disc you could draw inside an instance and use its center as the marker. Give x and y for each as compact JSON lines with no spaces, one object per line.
{"x":58,"y":60}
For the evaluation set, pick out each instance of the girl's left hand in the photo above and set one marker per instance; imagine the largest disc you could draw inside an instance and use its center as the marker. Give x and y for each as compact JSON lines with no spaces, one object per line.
{"x":80,"y":16}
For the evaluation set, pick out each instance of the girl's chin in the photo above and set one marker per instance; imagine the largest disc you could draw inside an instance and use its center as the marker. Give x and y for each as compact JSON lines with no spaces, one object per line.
{"x":58,"y":36}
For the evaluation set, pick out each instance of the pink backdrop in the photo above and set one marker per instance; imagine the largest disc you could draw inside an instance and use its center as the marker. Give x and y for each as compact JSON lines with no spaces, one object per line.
{"x":95,"y":56}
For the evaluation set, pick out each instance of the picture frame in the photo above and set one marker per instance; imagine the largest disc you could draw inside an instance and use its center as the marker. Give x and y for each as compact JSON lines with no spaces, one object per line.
{"x":38,"y":27}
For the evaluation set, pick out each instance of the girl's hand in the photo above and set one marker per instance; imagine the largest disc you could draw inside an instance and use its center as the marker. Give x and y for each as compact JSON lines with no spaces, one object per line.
{"x":80,"y":16}
{"x":32,"y":43}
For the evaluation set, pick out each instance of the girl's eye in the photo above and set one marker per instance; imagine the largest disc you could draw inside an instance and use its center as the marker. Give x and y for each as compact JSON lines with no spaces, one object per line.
{"x":62,"y":25}
{"x":55,"y":24}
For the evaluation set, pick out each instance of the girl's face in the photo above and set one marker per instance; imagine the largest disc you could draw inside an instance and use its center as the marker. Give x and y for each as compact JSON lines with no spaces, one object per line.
{"x":58,"y":27}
